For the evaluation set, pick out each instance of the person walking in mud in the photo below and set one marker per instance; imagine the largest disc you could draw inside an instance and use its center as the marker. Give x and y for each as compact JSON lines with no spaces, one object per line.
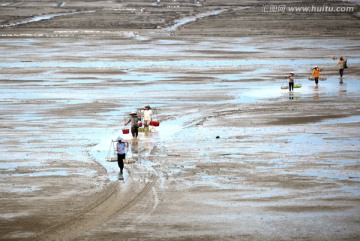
{"x":316,"y":73}
{"x":147,"y":116}
{"x":121,"y":146}
{"x":291,"y":78}
{"x":134,"y":119}
{"x":342,"y":65}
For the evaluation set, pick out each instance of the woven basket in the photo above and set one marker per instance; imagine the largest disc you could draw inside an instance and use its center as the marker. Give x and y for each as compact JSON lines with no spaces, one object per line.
{"x":111,"y":159}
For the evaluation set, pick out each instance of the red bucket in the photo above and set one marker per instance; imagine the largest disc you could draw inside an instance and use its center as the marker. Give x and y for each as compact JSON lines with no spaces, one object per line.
{"x":125,"y":131}
{"x":154,"y":123}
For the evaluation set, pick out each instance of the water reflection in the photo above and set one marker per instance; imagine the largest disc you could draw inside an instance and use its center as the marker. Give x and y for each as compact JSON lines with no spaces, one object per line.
{"x":134,"y":147}
{"x":291,"y":95}
{"x":342,"y":88}
{"x":316,"y":95}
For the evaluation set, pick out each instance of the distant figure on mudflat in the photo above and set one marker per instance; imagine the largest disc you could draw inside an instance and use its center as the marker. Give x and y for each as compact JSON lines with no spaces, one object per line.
{"x":316,"y":73}
{"x":342,"y":66}
{"x":291,"y":78}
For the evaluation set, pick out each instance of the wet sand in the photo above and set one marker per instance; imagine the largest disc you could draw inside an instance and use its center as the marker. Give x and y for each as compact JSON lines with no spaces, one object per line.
{"x":285,"y":165}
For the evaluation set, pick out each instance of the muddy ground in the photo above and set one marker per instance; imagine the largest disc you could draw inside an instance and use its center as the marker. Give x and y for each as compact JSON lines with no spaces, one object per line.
{"x":235,"y":156}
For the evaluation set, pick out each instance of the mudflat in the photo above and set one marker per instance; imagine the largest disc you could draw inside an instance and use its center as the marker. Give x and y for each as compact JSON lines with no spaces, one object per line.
{"x":235,"y":157}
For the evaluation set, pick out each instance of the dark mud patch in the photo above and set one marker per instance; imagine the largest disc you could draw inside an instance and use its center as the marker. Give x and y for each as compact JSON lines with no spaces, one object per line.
{"x":304,"y":119}
{"x":302,"y":208}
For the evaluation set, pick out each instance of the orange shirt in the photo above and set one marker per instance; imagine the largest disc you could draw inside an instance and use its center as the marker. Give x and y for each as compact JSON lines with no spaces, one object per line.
{"x":315,"y":73}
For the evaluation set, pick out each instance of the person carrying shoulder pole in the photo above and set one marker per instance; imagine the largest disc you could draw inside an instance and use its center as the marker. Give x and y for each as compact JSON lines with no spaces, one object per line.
{"x":121,"y":146}
{"x":291,"y":78}
{"x":134,"y":119}
{"x":147,"y":116}
{"x":316,"y":73}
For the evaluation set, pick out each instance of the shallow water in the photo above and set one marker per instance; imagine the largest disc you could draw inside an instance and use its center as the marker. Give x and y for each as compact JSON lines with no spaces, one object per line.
{"x":39,"y":18}
{"x":184,"y":21}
